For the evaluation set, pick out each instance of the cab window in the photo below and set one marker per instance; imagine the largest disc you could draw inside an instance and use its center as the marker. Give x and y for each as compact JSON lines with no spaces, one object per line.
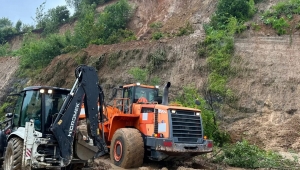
{"x":31,"y":109}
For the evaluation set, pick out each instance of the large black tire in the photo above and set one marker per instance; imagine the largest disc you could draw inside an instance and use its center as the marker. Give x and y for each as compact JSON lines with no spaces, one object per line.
{"x":127,"y":148}
{"x":13,"y":154}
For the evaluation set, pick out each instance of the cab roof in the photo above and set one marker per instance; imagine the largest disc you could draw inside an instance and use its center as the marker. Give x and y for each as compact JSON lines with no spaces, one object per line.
{"x":140,"y":85}
{"x":45,"y":87}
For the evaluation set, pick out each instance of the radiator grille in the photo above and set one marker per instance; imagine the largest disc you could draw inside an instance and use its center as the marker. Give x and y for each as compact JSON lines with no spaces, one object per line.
{"x":186,"y":126}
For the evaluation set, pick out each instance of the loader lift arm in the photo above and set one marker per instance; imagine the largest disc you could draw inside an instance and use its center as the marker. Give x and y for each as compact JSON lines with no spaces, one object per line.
{"x":86,"y":90}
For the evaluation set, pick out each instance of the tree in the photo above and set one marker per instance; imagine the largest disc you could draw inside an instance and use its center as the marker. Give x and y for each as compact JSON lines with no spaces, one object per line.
{"x":78,"y":4}
{"x":5,"y":23}
{"x":240,"y":9}
{"x":60,"y":14}
{"x":6,"y":30}
{"x":18,"y":26}
{"x":114,"y":17}
{"x":40,"y":16}
{"x":51,"y":20}
{"x":234,"y":8}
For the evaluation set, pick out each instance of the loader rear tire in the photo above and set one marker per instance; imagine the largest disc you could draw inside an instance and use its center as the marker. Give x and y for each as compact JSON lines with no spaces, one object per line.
{"x":13,"y":154}
{"x":127,"y":148}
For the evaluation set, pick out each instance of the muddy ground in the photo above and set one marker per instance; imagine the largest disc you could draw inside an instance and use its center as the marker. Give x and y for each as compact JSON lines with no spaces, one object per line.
{"x":266,"y":83}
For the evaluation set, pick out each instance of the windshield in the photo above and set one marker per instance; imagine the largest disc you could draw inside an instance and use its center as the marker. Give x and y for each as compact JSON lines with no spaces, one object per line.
{"x":31,"y":108}
{"x":147,"y":93}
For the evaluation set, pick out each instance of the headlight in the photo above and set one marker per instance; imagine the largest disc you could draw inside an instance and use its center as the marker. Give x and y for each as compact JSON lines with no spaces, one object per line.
{"x":197,"y":113}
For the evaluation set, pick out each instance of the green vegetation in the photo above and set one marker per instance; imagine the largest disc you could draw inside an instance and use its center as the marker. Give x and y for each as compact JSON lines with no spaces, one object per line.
{"x":218,"y":48}
{"x":156,"y":25}
{"x":188,"y":29}
{"x":79,"y":4}
{"x":6,"y":30}
{"x":156,"y":59}
{"x":157,"y":34}
{"x":279,"y":15}
{"x":4,"y":50}
{"x":37,"y":54}
{"x":138,"y":74}
{"x":49,"y":22}
{"x":107,"y":28}
{"x":143,"y":76}
{"x":244,"y":155}
{"x":2,"y":109}
{"x":241,"y":10}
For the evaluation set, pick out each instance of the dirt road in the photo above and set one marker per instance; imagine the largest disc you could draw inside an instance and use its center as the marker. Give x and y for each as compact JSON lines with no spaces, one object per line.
{"x":104,"y":163}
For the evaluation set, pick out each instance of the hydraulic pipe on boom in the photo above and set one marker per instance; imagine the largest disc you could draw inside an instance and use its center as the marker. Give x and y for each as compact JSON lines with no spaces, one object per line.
{"x":86,"y":90}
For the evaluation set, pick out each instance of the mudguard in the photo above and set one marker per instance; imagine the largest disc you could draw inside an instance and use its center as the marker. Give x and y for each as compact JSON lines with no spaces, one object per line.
{"x":20,"y":132}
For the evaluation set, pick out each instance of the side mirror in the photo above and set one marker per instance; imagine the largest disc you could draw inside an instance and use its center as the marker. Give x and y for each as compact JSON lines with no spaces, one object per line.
{"x":9,"y":115}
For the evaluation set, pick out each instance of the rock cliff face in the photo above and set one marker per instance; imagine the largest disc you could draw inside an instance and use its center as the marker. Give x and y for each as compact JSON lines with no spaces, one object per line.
{"x":268,"y":88}
{"x":267,"y":83}
{"x":8,"y":66}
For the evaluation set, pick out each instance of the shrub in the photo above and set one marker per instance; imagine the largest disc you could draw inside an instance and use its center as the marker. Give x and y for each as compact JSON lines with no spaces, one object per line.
{"x":157,"y":35}
{"x":4,"y":50}
{"x":156,"y":59}
{"x":244,"y":155}
{"x":239,"y":9}
{"x":37,"y":54}
{"x":109,"y":26}
{"x":138,"y":74}
{"x":188,"y":29}
{"x":156,"y":25}
{"x":278,"y":15}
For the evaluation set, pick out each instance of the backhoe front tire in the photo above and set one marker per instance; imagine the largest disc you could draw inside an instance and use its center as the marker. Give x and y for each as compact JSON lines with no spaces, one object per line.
{"x":13,"y":154}
{"x":127,"y":148}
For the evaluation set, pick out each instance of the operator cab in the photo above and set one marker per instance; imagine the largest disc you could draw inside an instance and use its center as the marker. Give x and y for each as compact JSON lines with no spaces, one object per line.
{"x":137,"y":91}
{"x":39,"y":103}
{"x":140,"y":94}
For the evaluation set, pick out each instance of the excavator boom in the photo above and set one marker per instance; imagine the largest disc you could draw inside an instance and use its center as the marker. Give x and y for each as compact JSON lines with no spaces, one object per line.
{"x":86,"y":90}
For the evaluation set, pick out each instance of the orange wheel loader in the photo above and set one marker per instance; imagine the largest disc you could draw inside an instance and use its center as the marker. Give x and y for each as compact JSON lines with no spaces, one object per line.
{"x":141,"y":124}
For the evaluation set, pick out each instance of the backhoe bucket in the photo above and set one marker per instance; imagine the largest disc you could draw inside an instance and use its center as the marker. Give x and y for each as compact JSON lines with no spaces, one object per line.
{"x":84,"y":148}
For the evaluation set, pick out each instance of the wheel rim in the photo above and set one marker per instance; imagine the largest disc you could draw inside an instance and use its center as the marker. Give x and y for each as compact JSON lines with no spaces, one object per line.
{"x":118,"y":151}
{"x":9,"y":159}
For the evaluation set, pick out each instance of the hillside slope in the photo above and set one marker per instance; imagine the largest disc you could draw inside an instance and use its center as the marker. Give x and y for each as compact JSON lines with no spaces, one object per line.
{"x":268,"y":88}
{"x":8,"y":66}
{"x":267,"y":83}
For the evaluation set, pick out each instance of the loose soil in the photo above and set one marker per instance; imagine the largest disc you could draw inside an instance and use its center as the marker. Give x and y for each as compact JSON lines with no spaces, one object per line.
{"x":266,"y":82}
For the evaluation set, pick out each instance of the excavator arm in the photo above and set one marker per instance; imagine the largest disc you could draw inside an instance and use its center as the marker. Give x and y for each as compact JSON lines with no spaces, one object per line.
{"x":86,"y":90}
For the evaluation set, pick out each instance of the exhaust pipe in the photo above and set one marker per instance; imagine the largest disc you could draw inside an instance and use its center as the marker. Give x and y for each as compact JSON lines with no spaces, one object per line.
{"x":166,"y":94}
